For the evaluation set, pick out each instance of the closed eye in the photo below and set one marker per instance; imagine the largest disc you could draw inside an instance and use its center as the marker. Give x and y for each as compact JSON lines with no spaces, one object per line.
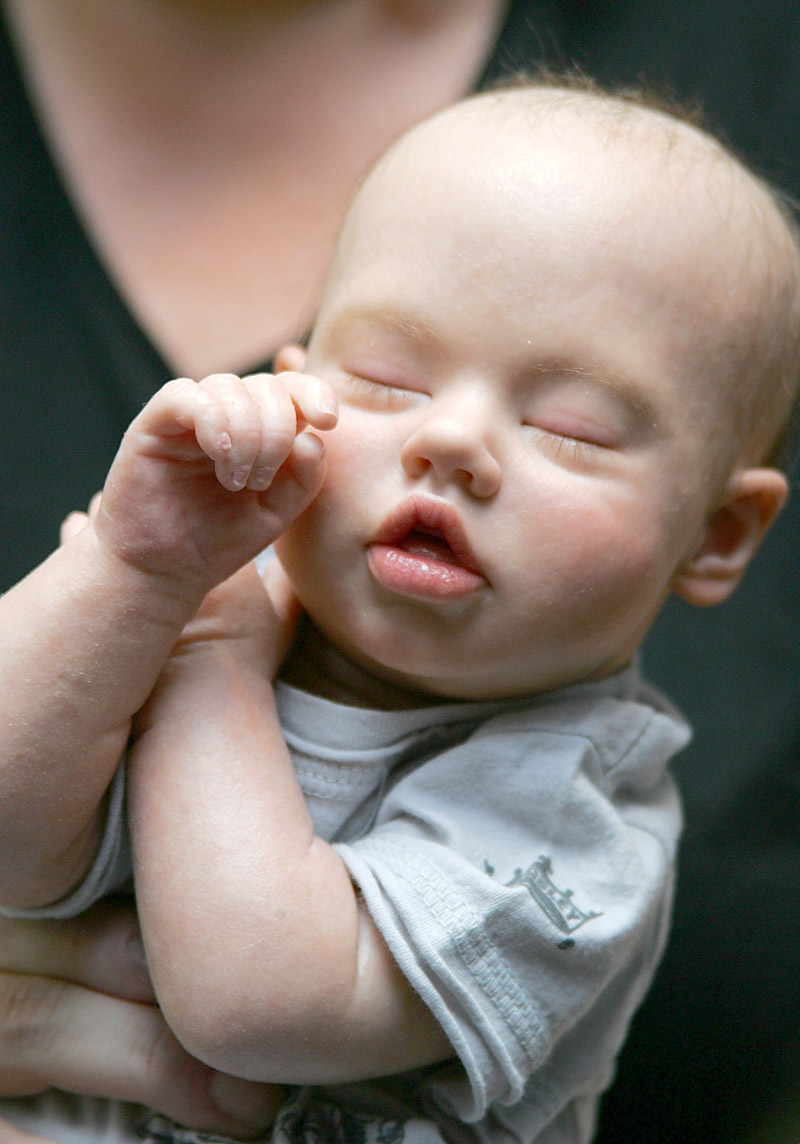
{"x":379,"y":395}
{"x":565,"y":448}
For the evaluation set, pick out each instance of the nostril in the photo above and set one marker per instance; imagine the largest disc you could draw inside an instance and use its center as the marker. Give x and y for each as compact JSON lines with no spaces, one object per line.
{"x":413,"y":459}
{"x":486,"y":479}
{"x":453,"y":449}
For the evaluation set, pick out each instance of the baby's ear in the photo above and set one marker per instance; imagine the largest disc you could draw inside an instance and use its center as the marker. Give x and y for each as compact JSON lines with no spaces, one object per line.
{"x":752,"y":500}
{"x":290,"y":357}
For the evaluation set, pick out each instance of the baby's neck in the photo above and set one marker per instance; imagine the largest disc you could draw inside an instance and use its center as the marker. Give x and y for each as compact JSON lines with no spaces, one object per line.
{"x":316,"y":665}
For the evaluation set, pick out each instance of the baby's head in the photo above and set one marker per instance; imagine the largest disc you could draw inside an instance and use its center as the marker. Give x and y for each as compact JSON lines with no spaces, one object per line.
{"x":564,"y":331}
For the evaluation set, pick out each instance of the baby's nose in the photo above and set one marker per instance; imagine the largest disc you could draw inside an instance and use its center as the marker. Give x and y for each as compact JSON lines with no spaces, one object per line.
{"x":453,"y":444}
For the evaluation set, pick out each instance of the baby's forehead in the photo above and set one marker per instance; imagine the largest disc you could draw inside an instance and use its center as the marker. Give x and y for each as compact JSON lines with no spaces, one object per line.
{"x":597,"y":141}
{"x":567,"y":178}
{"x":625,"y":174}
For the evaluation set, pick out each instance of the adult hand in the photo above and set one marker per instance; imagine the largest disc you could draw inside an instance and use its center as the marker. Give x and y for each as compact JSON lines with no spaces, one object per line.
{"x":77,"y":1013}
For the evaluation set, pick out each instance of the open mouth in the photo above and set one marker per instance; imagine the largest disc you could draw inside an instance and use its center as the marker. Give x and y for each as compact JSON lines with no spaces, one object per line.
{"x":429,"y":545}
{"x":422,"y":550}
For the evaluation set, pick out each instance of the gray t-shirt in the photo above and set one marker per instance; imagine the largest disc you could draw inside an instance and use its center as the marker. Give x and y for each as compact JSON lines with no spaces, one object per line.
{"x":517,"y":858}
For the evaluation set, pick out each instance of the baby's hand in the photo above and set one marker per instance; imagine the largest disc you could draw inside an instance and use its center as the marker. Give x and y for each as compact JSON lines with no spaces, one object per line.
{"x":210,"y":473}
{"x":254,"y":613}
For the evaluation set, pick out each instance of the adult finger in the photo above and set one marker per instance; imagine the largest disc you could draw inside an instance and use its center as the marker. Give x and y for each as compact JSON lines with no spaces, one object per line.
{"x":56,"y":1035}
{"x":101,"y":949}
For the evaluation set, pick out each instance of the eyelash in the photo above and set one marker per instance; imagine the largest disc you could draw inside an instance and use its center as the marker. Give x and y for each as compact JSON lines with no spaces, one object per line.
{"x":579,"y":450}
{"x":393,"y":397}
{"x":389,"y":396}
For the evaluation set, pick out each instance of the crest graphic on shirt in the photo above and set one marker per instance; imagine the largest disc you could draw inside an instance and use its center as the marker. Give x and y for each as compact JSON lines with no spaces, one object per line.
{"x":559,"y":905}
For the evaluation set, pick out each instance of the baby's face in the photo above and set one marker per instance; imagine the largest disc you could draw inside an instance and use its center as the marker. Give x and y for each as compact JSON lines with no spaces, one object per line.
{"x":518,"y":469}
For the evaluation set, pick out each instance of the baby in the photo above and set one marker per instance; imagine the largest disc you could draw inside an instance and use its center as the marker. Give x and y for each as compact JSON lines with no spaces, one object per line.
{"x":425,"y":876}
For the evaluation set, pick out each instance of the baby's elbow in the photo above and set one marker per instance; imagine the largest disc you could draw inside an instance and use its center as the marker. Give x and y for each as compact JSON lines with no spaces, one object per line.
{"x":212,"y":1030}
{"x":235,"y":1027}
{"x":207,"y":1015}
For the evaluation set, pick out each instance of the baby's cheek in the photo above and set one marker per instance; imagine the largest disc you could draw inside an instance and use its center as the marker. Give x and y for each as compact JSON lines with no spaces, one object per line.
{"x":614,"y":565}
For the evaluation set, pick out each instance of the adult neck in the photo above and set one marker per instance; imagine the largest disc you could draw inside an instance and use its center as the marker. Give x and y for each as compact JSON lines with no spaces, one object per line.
{"x":197,"y":40}
{"x":211,"y":146}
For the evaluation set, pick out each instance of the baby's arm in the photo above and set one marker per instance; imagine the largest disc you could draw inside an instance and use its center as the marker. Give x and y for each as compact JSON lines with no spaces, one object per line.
{"x":206,"y":476}
{"x":265,"y":962}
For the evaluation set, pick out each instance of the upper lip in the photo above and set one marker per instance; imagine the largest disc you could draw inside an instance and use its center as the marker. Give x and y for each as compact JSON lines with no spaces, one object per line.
{"x":437,"y":518}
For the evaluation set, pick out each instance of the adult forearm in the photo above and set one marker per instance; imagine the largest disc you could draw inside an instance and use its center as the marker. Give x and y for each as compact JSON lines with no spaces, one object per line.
{"x":84,"y":638}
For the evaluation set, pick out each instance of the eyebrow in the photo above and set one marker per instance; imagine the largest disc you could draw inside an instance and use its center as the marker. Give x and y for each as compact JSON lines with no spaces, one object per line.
{"x":397,"y":321}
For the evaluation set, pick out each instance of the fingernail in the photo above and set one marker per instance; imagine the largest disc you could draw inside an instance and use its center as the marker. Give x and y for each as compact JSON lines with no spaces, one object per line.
{"x":243,"y":1099}
{"x":262,"y":478}
{"x":328,"y":405}
{"x":239,"y":478}
{"x":312,"y":442}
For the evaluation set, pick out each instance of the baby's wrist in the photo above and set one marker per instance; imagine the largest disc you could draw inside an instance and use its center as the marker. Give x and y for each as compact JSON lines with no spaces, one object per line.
{"x":160,"y":596}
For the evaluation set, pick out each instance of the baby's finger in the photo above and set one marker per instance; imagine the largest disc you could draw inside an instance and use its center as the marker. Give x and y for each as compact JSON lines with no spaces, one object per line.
{"x":279,"y":588}
{"x":71,"y":525}
{"x":228,"y":428}
{"x":94,"y":505}
{"x":278,"y":422}
{"x":285,"y":605}
{"x":292,"y":356}
{"x":314,"y":399}
{"x":75,"y":522}
{"x":297,"y":482}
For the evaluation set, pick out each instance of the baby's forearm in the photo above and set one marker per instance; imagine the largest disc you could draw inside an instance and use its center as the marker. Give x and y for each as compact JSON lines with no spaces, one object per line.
{"x":207,"y":476}
{"x":84,"y":637}
{"x":264,"y":960}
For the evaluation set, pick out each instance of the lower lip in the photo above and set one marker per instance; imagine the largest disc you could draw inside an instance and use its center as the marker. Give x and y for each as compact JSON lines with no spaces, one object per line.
{"x":411,"y":574}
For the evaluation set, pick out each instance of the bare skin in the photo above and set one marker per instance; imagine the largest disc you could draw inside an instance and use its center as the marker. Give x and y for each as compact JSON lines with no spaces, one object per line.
{"x":135,"y":589}
{"x":563,"y":425}
{"x":240,"y":147}
{"x":287,"y":171}
{"x":79,"y":1014}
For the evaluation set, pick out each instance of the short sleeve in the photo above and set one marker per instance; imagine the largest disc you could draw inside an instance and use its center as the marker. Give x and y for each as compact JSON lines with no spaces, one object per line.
{"x":522,"y":881}
{"x":110,"y":871}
